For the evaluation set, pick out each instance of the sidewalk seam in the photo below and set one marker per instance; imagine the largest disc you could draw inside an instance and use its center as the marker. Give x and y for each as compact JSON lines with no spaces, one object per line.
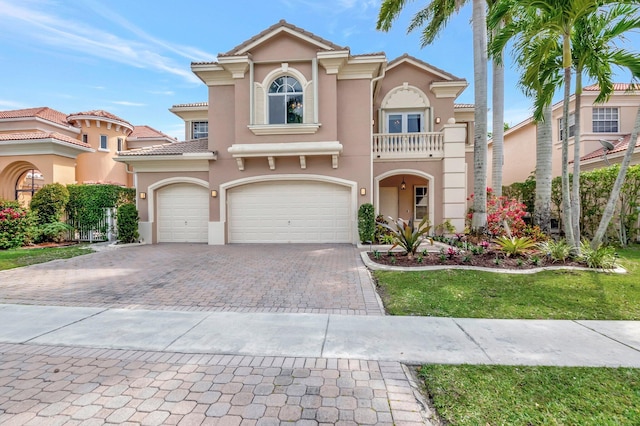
{"x":472,"y":339}
{"x":605,"y":335}
{"x":64,"y":326}
{"x":326,"y":333}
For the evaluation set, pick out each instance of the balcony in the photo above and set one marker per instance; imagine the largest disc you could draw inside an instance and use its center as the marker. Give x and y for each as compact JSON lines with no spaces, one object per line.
{"x":407,"y":146}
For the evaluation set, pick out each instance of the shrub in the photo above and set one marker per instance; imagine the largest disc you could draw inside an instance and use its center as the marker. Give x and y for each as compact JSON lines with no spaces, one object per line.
{"x":128,"y":223}
{"x":49,"y":203}
{"x":515,"y":246}
{"x":55,"y":232}
{"x":366,"y":223}
{"x":16,"y":225}
{"x":503,"y":212}
{"x":382,"y":234}
{"x":603,"y":257}
{"x":406,"y":237}
{"x":558,"y":251}
{"x":86,"y":203}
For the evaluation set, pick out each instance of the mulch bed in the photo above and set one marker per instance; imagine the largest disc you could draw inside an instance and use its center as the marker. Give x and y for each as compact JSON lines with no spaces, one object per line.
{"x":50,"y":244}
{"x":487,"y":260}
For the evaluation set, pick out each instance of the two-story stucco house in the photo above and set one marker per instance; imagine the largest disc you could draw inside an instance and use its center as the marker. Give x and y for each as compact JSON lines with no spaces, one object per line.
{"x":41,"y":145}
{"x":611,"y":121}
{"x":296,"y":134}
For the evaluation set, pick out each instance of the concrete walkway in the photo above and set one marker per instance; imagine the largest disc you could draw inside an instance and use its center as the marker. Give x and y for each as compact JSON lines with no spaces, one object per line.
{"x":411,"y":340}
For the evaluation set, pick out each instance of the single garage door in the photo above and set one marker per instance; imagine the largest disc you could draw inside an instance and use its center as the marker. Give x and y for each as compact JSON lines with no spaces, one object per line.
{"x":290,"y":212}
{"x":183,"y":214}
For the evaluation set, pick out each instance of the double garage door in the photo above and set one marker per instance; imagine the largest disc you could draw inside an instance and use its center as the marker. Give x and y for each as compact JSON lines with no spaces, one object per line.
{"x":266,"y":212}
{"x":290,"y":212}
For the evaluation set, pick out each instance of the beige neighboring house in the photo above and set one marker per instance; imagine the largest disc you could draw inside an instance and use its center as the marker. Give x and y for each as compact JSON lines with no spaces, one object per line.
{"x":296,"y":134}
{"x":41,"y":145}
{"x":611,"y":121}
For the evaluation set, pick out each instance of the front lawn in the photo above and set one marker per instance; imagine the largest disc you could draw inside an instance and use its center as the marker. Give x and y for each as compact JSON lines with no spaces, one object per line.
{"x":504,"y":395}
{"x":545,"y":295}
{"x":16,"y":258}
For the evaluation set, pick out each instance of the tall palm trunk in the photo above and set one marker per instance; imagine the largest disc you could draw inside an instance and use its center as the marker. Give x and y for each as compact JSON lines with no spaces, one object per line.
{"x":544,"y":155}
{"x":617,"y":186}
{"x":566,"y":190}
{"x":498,"y":128}
{"x":575,"y":189}
{"x":479,"y":18}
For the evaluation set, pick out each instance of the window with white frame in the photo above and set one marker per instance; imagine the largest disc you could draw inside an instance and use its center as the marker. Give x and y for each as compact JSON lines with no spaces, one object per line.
{"x":421,"y":202}
{"x":405,"y":122}
{"x":285,"y":101}
{"x":120,"y":144}
{"x":104,"y":143}
{"x":572,"y":126}
{"x":199,"y":129}
{"x":605,"y":120}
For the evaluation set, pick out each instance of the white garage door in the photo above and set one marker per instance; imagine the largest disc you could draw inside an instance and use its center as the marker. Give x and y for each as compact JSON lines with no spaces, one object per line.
{"x":290,"y":212}
{"x":183,"y":214}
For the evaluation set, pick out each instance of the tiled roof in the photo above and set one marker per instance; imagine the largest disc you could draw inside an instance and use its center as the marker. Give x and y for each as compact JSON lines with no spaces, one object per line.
{"x":99,"y":113}
{"x":281,"y":23}
{"x":426,"y":64}
{"x":616,"y":87}
{"x":44,"y":113}
{"x":194,"y":104}
{"x":463,"y":106}
{"x":141,"y":132}
{"x":9,"y":137}
{"x":618,"y":146}
{"x":176,"y":148}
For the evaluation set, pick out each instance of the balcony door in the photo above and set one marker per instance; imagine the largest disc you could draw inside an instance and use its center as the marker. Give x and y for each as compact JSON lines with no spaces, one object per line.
{"x":405,"y":122}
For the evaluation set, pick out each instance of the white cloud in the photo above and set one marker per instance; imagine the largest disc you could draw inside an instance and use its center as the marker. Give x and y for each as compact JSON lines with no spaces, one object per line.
{"x":162,"y":92}
{"x":127,"y":103}
{"x":69,"y":35}
{"x":11,"y":104}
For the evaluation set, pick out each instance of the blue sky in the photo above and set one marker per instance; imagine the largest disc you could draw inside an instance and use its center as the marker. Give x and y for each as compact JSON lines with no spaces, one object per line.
{"x":132,"y":58}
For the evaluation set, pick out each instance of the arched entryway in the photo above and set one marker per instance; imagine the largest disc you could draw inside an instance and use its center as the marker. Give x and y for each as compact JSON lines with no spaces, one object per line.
{"x":20,"y":181}
{"x":408,"y":194}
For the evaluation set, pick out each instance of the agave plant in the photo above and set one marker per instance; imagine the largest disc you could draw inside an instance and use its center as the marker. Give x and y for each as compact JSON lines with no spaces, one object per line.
{"x":515,"y":245}
{"x":406,"y":236}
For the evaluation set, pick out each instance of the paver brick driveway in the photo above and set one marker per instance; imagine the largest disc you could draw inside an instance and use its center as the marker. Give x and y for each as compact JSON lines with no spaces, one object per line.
{"x":312,"y":278}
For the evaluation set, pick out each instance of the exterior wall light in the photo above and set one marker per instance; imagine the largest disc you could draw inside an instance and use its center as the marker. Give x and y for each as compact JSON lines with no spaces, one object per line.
{"x":363,"y":191}
{"x":143,"y":195}
{"x":403,"y":185}
{"x":214,"y":193}
{"x":437,"y":120}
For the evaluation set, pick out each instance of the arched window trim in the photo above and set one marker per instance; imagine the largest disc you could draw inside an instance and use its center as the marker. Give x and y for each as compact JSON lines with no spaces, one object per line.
{"x":290,"y":93}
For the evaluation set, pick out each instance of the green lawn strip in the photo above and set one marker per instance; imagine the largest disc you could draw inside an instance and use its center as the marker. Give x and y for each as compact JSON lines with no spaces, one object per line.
{"x":16,"y":258}
{"x":507,"y":395}
{"x":545,"y":295}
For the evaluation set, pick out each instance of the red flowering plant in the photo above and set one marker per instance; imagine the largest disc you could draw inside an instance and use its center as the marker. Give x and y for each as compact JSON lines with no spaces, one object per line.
{"x":504,"y":215}
{"x":15,"y":225}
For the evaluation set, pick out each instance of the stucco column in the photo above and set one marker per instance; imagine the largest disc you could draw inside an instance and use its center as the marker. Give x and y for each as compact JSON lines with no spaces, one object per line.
{"x":454,"y":181}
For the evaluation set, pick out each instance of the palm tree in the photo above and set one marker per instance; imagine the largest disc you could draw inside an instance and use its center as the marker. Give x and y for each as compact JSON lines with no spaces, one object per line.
{"x":434,"y":17}
{"x":558,"y":20}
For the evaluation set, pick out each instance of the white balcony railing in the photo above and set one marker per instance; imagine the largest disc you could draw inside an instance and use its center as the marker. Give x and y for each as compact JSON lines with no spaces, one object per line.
{"x":408,"y":145}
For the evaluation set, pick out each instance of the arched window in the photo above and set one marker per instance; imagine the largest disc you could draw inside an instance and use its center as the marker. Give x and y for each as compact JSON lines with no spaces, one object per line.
{"x":285,"y":101}
{"x":28,"y":184}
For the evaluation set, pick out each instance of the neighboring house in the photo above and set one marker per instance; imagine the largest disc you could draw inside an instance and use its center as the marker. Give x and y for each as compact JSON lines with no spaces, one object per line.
{"x":300,"y":133}
{"x":41,"y":145}
{"x":611,"y":121}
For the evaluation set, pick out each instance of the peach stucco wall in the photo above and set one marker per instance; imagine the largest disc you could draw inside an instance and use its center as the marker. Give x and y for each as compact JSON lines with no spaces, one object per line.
{"x":54,"y":168}
{"x":99,"y":167}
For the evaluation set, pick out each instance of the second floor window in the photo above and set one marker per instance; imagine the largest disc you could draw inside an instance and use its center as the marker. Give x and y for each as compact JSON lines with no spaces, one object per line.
{"x":104,"y":143}
{"x":120,"y":144}
{"x":405,"y":122}
{"x":605,"y":120}
{"x":285,"y":101}
{"x":199,"y":129}
{"x":572,"y":126}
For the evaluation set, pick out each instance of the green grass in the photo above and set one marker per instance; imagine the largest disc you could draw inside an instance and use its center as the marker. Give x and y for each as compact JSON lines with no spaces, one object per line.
{"x":545,"y":295}
{"x":16,"y":258}
{"x":502,"y":395}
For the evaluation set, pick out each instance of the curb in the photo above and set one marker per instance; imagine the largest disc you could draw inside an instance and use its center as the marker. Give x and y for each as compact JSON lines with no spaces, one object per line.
{"x":378,"y":267}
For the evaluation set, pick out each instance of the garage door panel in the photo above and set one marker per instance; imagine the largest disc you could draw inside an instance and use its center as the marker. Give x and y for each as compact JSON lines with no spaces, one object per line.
{"x":290,"y":211}
{"x":183,"y":213}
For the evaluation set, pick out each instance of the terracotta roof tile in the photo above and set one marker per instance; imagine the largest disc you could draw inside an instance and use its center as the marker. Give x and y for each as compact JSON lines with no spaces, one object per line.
{"x":98,"y":113}
{"x":618,"y":87}
{"x":282,"y":23}
{"x":463,"y":106}
{"x":193,"y":104}
{"x":10,"y":137}
{"x":426,"y":64}
{"x":44,"y":113}
{"x":141,"y":132}
{"x":176,"y":148}
{"x":618,"y":146}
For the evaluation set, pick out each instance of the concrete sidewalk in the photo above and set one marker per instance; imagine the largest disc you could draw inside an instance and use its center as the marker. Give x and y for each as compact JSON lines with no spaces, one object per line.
{"x":410,"y":340}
